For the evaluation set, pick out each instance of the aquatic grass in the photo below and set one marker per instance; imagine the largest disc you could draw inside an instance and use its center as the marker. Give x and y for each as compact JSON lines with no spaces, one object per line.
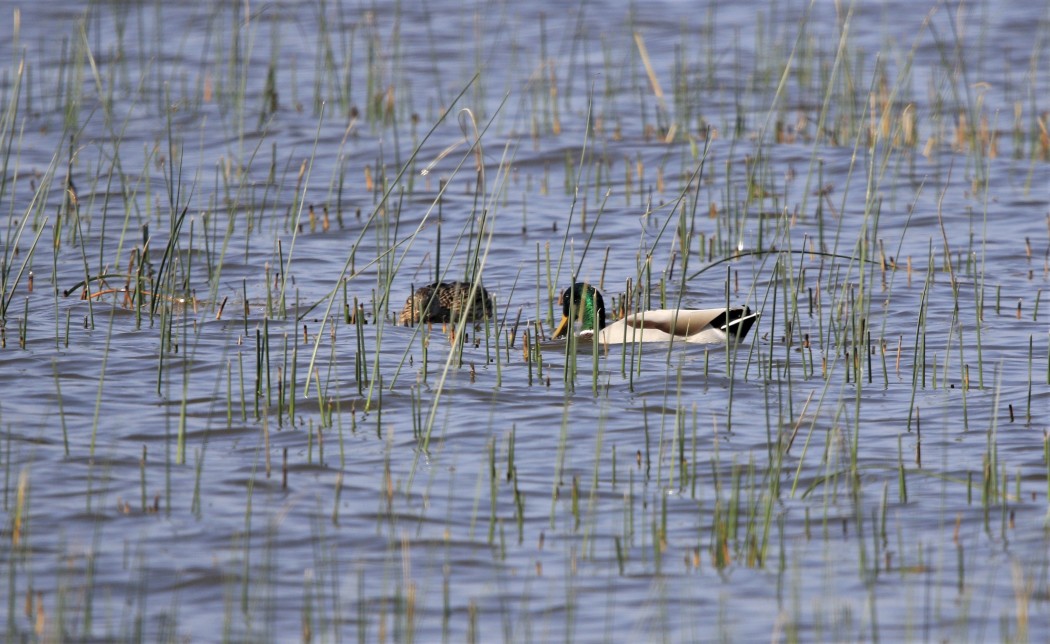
{"x":9,"y":284}
{"x":474,"y":275}
{"x":377,"y":209}
{"x":10,"y":141}
{"x":461,"y":326}
{"x":652,"y":531}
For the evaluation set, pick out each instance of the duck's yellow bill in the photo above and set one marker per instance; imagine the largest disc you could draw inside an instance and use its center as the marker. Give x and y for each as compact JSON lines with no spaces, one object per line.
{"x":560,"y":331}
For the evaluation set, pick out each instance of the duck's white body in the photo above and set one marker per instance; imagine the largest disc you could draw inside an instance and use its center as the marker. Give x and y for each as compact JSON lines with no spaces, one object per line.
{"x":582,"y":303}
{"x":700,"y":326}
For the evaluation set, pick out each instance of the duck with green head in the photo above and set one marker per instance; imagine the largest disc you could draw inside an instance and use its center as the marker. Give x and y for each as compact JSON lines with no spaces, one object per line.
{"x":583,"y":304}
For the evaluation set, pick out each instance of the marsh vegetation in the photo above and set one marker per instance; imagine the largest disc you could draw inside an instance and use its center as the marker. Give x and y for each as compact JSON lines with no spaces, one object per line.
{"x":213,"y":425}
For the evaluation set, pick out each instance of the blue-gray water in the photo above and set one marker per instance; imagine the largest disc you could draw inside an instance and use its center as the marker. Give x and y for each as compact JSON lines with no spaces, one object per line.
{"x":541,"y":510}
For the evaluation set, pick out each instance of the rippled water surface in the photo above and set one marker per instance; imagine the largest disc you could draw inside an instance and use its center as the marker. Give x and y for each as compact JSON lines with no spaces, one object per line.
{"x":213,"y":428}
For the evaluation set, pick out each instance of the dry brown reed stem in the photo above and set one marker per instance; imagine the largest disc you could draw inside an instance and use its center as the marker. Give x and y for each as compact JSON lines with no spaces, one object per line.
{"x":20,"y":508}
{"x":127,"y":295}
{"x":961,"y":128}
{"x":909,"y":125}
{"x":1044,"y":137}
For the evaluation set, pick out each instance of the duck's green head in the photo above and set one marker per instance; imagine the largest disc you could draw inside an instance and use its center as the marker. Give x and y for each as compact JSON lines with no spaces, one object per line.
{"x":583,"y":303}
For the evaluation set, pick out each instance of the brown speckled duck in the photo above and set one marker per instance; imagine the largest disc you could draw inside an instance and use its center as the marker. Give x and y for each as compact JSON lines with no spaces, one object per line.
{"x":444,"y":302}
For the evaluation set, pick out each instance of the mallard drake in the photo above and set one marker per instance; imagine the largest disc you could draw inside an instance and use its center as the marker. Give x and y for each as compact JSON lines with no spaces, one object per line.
{"x":661,"y":325}
{"x":444,"y":302}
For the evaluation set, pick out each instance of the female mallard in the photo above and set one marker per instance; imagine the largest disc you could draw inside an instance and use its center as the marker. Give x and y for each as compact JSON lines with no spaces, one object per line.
{"x":445,"y":302}
{"x":661,"y":325}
